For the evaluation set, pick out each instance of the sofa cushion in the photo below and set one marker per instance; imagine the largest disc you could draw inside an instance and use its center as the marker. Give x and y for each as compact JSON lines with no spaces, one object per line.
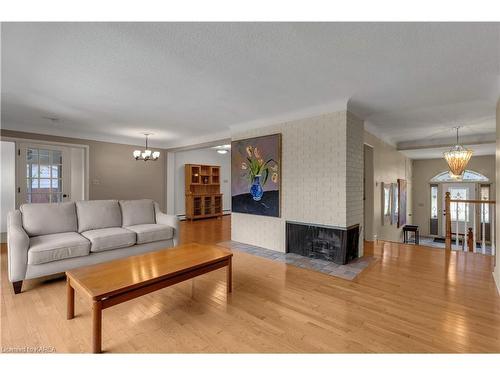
{"x":52,"y":247}
{"x":152,"y":232}
{"x":109,"y":238}
{"x":140,"y":211}
{"x":98,"y":214}
{"x":47,"y":218}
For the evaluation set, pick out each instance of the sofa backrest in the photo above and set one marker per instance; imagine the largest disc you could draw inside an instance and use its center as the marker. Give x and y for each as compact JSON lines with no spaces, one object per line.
{"x":135,"y":212}
{"x":48,"y":218}
{"x":98,"y":214}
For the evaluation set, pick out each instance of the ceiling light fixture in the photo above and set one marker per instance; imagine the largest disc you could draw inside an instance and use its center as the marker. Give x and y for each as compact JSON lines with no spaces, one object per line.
{"x":147,"y":154}
{"x":457,"y":158}
{"x":222,"y":149}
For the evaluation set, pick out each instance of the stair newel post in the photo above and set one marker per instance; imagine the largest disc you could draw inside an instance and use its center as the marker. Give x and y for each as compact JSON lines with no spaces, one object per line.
{"x":466,"y":208}
{"x":448,"y":221}
{"x":492,"y":228}
{"x":483,"y":229}
{"x":470,"y":240}
{"x":474,"y":227}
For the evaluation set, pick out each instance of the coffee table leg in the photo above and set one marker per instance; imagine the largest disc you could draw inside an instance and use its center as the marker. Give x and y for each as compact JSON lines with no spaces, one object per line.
{"x":70,"y":295}
{"x":229,"y":275}
{"x":96,"y":326}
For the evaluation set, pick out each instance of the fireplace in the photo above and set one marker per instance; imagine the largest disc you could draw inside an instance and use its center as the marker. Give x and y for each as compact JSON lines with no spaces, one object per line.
{"x":336,"y":244}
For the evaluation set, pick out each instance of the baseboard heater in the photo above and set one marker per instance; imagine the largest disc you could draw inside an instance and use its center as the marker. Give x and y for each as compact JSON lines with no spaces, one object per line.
{"x":224,"y":213}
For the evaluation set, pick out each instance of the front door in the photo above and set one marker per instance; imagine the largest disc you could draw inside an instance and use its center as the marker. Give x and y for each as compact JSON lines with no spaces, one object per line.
{"x":43,"y":174}
{"x":460,"y":212}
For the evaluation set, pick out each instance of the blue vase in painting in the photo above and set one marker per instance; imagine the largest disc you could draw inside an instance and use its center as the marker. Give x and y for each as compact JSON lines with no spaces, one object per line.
{"x":256,"y":189}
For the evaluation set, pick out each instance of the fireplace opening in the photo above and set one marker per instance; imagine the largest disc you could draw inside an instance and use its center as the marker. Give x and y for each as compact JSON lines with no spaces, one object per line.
{"x":335,"y":244}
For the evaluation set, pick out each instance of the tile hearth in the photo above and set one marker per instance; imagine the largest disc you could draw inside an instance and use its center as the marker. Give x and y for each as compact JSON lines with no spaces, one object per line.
{"x":348,"y":271}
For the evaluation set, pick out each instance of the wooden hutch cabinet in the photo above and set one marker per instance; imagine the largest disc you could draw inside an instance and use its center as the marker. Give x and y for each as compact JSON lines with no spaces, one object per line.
{"x":202,"y":188}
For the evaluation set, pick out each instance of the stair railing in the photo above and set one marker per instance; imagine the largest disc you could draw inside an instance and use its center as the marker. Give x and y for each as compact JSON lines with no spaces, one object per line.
{"x":468,"y":232}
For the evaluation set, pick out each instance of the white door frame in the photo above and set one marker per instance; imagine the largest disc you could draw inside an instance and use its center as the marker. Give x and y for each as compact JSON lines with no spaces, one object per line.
{"x":21,"y":169}
{"x":445,"y":186}
{"x":85,"y":148}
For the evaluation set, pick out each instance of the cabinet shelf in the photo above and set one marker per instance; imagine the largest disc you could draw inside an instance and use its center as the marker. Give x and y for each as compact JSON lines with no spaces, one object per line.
{"x":202,"y":191}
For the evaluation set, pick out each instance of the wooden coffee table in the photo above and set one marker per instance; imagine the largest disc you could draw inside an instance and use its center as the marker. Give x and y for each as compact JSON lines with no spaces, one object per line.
{"x":111,"y":283}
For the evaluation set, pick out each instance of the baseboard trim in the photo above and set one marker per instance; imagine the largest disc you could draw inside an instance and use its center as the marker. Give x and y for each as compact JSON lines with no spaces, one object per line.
{"x":224,"y":213}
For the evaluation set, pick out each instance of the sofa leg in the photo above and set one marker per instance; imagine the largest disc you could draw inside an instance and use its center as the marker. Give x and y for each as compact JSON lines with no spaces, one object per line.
{"x":17,"y":285}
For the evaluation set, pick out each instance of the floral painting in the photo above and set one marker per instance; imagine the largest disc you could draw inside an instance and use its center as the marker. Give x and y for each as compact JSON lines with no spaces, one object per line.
{"x":256,"y":175}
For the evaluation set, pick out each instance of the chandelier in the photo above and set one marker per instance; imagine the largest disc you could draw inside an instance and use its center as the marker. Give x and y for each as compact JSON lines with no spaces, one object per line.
{"x":147,"y":154}
{"x":457,"y":158}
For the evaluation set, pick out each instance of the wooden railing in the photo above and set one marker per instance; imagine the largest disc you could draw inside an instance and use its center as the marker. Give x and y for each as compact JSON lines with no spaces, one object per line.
{"x":469,"y":233}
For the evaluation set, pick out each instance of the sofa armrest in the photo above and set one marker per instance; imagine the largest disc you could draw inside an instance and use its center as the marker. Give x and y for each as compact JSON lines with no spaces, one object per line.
{"x":18,"y":244}
{"x":170,"y":220}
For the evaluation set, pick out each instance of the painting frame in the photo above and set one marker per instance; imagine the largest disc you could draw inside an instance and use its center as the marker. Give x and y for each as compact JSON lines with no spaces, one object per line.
{"x":245,"y":152}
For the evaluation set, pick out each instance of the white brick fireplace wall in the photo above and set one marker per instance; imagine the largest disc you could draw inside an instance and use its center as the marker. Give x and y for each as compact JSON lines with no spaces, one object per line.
{"x":322,"y":178}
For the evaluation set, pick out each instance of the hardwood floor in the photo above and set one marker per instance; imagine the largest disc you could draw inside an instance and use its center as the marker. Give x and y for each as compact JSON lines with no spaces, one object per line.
{"x":413,"y":299}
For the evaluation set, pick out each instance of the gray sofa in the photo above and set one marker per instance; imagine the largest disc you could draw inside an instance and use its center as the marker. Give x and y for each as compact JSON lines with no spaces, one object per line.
{"x":46,"y":239}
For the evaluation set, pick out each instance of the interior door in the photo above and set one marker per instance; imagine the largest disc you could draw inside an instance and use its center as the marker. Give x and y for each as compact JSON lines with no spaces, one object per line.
{"x":44,"y":173}
{"x":459,"y":211}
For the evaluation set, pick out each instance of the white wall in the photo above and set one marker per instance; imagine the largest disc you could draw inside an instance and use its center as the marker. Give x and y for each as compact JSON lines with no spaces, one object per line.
{"x":207,"y":156}
{"x":369,"y":185}
{"x":321,"y":158}
{"x":388,"y":165}
{"x":354,"y":170}
{"x":496,"y":273}
{"x":8,"y":182}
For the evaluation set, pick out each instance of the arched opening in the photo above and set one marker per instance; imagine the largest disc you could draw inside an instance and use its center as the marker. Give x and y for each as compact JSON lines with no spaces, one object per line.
{"x":472,"y":185}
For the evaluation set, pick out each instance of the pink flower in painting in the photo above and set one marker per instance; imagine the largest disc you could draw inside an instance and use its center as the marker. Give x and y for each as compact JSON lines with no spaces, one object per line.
{"x":249,"y":151}
{"x":256,"y":153}
{"x":244,"y":165}
{"x":274,"y":177}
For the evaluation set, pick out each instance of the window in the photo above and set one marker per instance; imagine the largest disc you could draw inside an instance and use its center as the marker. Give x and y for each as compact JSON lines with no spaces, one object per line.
{"x":485,"y":208}
{"x":458,"y":208}
{"x":43,"y":175}
{"x":469,"y":176}
{"x":434,"y":201}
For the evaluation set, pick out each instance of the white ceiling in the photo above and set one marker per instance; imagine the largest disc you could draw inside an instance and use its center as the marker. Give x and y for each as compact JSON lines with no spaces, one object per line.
{"x":437,"y":152}
{"x":190,"y":82}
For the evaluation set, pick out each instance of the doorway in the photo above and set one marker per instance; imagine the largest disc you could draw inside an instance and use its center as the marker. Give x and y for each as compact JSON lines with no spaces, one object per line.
{"x":44,"y":174}
{"x":460,"y":212}
{"x":368,"y":195}
{"x":50,"y":173}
